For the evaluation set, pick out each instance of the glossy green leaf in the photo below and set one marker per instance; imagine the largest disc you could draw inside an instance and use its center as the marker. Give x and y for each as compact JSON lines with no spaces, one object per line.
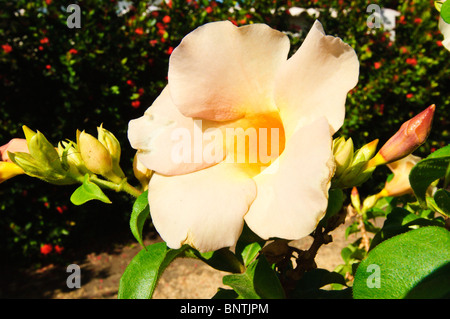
{"x":425,"y":172}
{"x":445,"y":11}
{"x":399,"y":221}
{"x":396,"y":266}
{"x":442,"y":152}
{"x":258,"y":282}
{"x":223,"y":293}
{"x":143,"y":272}
{"x":442,"y":199}
{"x":248,"y":246}
{"x":434,"y":286}
{"x":309,"y":286}
{"x":139,"y":215}
{"x":88,"y":191}
{"x":250,"y":252}
{"x":222,"y":259}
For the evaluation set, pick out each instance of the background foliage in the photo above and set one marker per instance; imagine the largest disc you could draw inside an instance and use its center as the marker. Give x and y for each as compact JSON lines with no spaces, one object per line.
{"x":56,"y":80}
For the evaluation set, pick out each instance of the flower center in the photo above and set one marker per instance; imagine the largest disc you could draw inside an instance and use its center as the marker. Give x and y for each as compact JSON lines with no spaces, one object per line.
{"x":255,"y":141}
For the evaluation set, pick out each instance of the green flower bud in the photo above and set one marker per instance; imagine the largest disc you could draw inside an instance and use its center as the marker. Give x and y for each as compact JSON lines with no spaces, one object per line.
{"x":343,"y":154}
{"x":111,"y":143}
{"x":357,"y":172}
{"x":43,"y":152}
{"x":71,"y":158}
{"x":369,"y":202}
{"x":365,"y":153}
{"x":35,"y":169}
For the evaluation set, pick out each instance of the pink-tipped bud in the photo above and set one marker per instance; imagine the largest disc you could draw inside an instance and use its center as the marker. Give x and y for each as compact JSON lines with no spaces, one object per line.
{"x":354,"y":197}
{"x":408,"y":138}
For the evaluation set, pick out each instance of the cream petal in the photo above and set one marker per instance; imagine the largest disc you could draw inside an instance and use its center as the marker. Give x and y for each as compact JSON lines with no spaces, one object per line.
{"x":315,"y":81}
{"x":293,"y":191}
{"x":222,"y":72}
{"x":170,"y":143}
{"x":204,"y":209}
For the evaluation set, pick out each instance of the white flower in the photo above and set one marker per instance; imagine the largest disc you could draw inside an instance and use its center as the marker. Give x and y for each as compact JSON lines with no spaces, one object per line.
{"x":240,"y":78}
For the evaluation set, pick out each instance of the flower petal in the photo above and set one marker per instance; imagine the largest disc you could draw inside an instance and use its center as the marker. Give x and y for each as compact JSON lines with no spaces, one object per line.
{"x":221,"y":72}
{"x":315,"y":81}
{"x":399,"y":184}
{"x":9,"y":170}
{"x":204,"y":209}
{"x":170,"y":143}
{"x":293,"y":191}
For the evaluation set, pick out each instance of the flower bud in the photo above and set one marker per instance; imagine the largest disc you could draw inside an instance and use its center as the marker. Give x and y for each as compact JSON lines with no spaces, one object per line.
{"x":369,"y":202}
{"x":15,"y":145}
{"x":95,"y":156}
{"x":343,"y":154}
{"x":356,"y":173}
{"x":365,"y":153}
{"x":111,"y":143}
{"x":28,"y":133}
{"x":408,"y":138}
{"x":34,"y":168}
{"x":44,"y":153}
{"x":71,"y":158}
{"x":354,"y":197}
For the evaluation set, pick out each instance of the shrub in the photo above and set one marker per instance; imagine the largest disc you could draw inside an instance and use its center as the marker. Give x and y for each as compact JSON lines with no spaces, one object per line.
{"x":56,"y":80}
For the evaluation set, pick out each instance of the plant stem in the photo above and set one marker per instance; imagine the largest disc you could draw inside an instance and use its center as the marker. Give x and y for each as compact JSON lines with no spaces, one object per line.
{"x":123,"y":186}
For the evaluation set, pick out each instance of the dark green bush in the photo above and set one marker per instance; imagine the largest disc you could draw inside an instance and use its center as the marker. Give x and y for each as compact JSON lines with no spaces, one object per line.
{"x":56,"y":80}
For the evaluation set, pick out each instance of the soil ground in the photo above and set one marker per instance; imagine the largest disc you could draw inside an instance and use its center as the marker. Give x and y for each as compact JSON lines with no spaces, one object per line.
{"x":101,"y":271}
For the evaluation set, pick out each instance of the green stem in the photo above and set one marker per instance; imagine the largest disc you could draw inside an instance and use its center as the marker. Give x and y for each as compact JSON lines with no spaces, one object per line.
{"x":118,"y":187}
{"x":131,"y":190}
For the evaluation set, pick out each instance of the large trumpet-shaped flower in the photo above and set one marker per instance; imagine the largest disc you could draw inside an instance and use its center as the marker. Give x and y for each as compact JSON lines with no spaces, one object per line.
{"x":274,"y":171}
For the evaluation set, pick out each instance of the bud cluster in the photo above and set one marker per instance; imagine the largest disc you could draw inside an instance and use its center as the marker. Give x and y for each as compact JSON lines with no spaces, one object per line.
{"x":69,"y":162}
{"x":354,"y":168}
{"x":351,"y":167}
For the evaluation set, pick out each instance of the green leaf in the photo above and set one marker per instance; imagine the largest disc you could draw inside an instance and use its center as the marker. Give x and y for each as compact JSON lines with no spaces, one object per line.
{"x":442,"y":199}
{"x":434,"y":286}
{"x":424,"y":173}
{"x":223,"y":293}
{"x":222,"y":259}
{"x":442,"y":152}
{"x":399,"y":221}
{"x":396,"y":266}
{"x":445,"y":11}
{"x":142,"y":274}
{"x":139,"y":215}
{"x":250,"y":252}
{"x":88,"y":191}
{"x":308,"y":287}
{"x":248,"y":246}
{"x":258,"y":282}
